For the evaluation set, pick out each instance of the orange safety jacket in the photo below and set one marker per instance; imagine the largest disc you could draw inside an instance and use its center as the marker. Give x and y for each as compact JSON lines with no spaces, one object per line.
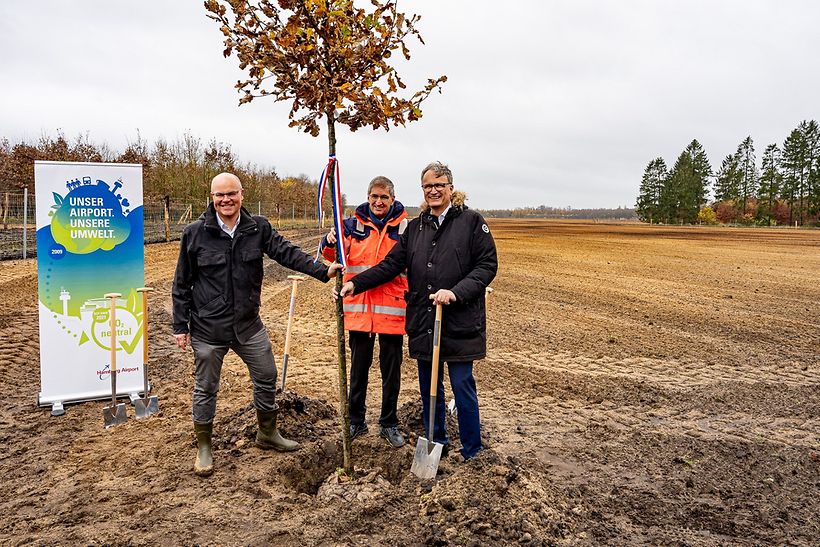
{"x":382,"y":309}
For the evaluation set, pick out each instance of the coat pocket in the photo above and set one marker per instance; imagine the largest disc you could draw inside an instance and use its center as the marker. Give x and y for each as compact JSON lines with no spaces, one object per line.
{"x":214,"y":308}
{"x":210,"y":260}
{"x":414,"y":321}
{"x":253,"y":272}
{"x":463,"y":319}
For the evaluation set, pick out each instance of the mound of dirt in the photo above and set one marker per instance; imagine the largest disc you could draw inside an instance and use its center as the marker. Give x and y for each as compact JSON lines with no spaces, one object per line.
{"x":496,"y":500}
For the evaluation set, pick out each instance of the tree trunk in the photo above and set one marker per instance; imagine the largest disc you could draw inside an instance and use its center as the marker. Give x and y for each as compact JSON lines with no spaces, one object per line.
{"x":340,"y":317}
{"x":166,"y":214}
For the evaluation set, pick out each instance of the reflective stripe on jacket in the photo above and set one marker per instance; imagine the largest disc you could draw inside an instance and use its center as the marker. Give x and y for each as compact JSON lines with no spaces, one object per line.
{"x":382,"y":309}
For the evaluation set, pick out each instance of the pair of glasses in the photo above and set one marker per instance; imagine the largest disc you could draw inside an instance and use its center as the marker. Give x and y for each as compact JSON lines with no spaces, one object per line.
{"x":232,"y":194}
{"x":437,"y":186}
{"x":377,"y":197}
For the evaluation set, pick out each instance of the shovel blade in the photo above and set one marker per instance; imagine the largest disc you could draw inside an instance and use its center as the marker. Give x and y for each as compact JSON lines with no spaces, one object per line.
{"x":425,"y":462}
{"x":144,"y":408}
{"x":114,"y":415}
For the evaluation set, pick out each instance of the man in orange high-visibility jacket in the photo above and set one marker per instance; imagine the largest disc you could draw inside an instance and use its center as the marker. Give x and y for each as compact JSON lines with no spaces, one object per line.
{"x":369,"y":235}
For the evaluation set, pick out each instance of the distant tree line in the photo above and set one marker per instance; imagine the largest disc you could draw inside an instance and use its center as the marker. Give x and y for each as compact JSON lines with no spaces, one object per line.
{"x":785,"y":189}
{"x":542,"y":211}
{"x":181,"y":169}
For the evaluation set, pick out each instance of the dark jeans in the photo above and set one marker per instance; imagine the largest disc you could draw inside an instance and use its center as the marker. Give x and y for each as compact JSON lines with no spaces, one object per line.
{"x":464,"y":390}
{"x":361,"y":357}
{"x":257,"y":354}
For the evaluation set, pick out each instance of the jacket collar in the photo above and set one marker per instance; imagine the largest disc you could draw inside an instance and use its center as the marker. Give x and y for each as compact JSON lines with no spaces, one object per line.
{"x":246,"y":221}
{"x":393,"y":216}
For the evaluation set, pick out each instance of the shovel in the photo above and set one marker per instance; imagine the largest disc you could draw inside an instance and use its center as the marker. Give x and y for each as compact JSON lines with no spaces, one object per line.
{"x":428,"y":453}
{"x":147,"y":405}
{"x":114,"y":414}
{"x":296,"y":279}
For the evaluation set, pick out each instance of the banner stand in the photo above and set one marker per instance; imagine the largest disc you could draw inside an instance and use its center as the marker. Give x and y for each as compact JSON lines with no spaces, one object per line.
{"x":90,"y":241}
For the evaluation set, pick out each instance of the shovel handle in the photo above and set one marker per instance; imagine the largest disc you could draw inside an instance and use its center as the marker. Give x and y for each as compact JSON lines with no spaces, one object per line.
{"x":291,"y":312}
{"x":436,"y":344}
{"x":434,"y":372}
{"x":144,"y":291}
{"x":112,"y":322}
{"x":112,"y":319}
{"x":488,"y":291}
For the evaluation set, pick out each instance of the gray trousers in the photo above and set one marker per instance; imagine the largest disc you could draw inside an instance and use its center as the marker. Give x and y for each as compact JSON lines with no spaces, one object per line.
{"x":257,"y":355}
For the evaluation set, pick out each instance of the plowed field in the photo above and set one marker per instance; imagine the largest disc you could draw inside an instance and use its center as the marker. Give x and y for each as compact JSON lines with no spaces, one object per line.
{"x":644,"y":385}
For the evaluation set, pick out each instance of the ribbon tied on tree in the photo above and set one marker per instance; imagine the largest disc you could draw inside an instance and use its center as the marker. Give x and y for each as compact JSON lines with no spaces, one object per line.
{"x":336,"y":199}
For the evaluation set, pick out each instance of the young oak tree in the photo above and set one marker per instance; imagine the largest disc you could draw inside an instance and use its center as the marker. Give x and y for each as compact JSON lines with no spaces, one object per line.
{"x":330,"y":59}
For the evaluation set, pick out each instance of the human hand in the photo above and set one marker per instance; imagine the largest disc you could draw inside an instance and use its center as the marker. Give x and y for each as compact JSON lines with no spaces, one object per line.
{"x":182,"y":340}
{"x":331,"y":236}
{"x":334,"y":269}
{"x":347,"y":289}
{"x":443,"y":296}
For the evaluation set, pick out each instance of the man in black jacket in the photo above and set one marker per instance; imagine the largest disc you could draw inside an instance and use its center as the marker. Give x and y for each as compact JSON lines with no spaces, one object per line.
{"x":216,"y":299}
{"x":450,"y":258}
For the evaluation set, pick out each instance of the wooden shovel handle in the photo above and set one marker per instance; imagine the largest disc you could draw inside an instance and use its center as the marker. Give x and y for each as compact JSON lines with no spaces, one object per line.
{"x":144,"y":291}
{"x":292,"y":309}
{"x":112,"y":322}
{"x":436,"y":351}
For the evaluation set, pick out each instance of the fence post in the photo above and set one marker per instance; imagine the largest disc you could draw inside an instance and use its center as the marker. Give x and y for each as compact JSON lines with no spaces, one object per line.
{"x":25,"y":220}
{"x":259,"y":208}
{"x":167,"y":213}
{"x":6,"y":213}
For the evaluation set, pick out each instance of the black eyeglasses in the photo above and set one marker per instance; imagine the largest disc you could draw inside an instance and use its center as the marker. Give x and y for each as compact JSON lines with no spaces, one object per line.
{"x":437,"y":186}
{"x":231,"y":194}
{"x":377,"y":197}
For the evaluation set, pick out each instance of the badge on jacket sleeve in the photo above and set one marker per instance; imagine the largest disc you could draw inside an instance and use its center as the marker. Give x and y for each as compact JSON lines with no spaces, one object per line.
{"x":485,"y":228}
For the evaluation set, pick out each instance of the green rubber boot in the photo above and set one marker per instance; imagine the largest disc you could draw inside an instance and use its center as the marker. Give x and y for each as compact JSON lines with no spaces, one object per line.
{"x":204,"y":464}
{"x":269,"y":437}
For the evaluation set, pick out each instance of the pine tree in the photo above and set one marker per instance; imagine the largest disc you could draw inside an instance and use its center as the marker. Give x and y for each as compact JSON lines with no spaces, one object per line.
{"x":727,"y":185}
{"x":687,"y":185}
{"x":748,"y":175}
{"x":811,"y":134}
{"x":673,"y":195}
{"x":649,"y":199}
{"x":771,"y":179}
{"x":701,"y":175}
{"x":793,"y":161}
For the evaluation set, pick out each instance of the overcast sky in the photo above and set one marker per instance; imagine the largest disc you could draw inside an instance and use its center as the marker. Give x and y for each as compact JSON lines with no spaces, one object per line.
{"x":560,"y":103}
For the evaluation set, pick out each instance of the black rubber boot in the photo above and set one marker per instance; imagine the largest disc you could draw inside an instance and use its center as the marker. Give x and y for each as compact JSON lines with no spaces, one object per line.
{"x":269,"y":437}
{"x":204,"y":464}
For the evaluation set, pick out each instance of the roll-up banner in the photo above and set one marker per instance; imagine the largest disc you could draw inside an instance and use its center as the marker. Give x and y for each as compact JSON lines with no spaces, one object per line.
{"x":89,"y":242}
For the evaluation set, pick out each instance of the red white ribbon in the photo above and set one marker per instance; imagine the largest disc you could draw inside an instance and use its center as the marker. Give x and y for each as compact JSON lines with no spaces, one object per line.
{"x":336,"y":199}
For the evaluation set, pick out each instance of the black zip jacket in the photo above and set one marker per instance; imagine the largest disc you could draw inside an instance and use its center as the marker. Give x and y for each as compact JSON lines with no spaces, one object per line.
{"x":218,"y":280}
{"x":460,"y":256}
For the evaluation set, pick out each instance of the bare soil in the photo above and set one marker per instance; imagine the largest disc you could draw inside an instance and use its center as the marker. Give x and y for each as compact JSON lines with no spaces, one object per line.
{"x":644,"y":386}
